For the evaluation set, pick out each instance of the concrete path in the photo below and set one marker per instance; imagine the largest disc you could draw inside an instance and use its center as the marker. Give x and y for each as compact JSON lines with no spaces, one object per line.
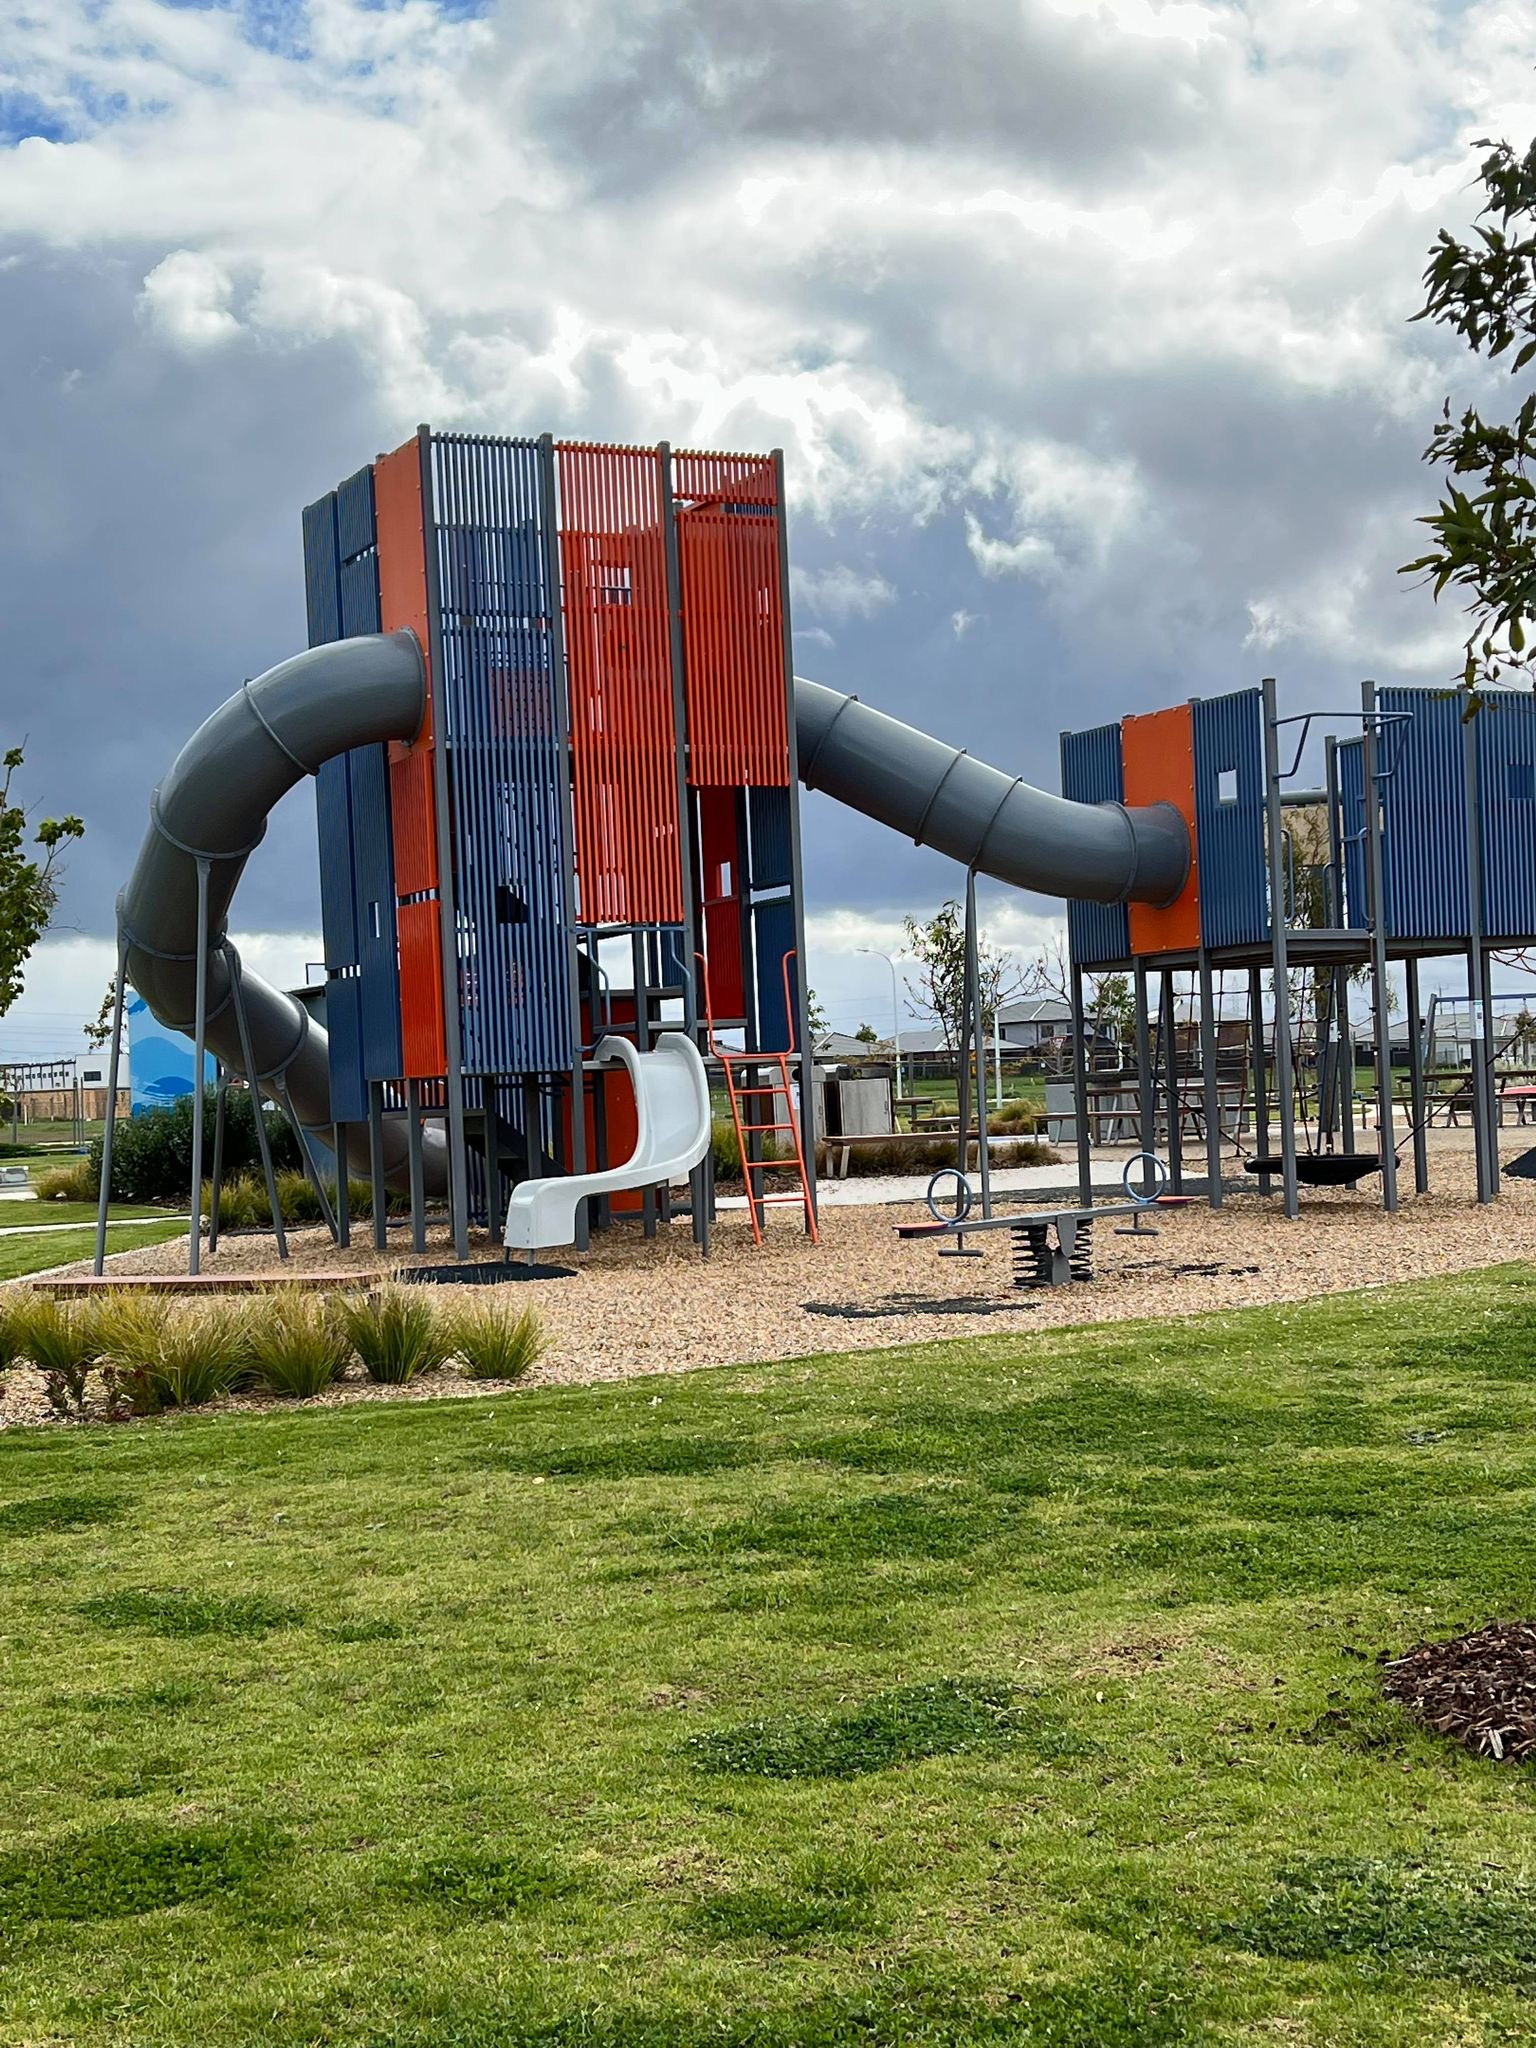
{"x":1045,"y":1183}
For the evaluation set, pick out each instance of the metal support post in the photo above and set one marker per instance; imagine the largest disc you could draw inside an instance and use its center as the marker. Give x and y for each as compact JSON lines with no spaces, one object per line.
{"x":1416,"y":1080}
{"x":1146,"y":1089}
{"x":1260,"y":1074}
{"x":306,"y":1154}
{"x":801,"y":991}
{"x":343,"y":1189}
{"x":379,"y":1193}
{"x":1080,"y":1080}
{"x":104,"y":1192}
{"x":1375,"y":883}
{"x":642,"y":1044}
{"x":1210,"y":1088}
{"x":413,"y":1153}
{"x":220,"y":1106}
{"x":1279,"y":953}
{"x":978,"y":1037}
{"x":1173,"y":1112}
{"x":199,"y":1054}
{"x":253,"y":1082}
{"x":1484,"y":1100}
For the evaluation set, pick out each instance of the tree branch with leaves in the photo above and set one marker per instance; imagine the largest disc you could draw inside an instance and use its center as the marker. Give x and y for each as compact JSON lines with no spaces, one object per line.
{"x":29,"y":881}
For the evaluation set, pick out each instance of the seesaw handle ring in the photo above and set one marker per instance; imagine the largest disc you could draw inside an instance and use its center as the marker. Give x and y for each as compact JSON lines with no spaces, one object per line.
{"x":1160,"y":1175}
{"x":962,"y":1191}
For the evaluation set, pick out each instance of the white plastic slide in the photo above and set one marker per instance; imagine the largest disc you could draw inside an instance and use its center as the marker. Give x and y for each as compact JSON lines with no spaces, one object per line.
{"x":672,"y":1103}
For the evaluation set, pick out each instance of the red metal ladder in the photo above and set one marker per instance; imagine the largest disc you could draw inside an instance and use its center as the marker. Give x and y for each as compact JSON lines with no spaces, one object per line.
{"x":759,"y":1198}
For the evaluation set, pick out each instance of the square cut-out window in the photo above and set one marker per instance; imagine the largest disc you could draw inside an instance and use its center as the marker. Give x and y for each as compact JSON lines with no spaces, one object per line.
{"x":1520,"y":780}
{"x":1226,"y":786}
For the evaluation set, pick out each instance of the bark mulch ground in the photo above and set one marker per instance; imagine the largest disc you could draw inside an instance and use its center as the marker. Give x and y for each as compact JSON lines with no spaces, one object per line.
{"x":1480,"y":1689}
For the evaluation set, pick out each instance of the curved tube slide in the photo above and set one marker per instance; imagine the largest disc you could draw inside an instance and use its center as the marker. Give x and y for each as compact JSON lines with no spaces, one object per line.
{"x":672,"y":1135}
{"x":214,"y":805}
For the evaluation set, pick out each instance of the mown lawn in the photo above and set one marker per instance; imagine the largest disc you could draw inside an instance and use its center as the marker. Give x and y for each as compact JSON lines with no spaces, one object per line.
{"x":1018,"y":1692}
{"x":35,"y":1251}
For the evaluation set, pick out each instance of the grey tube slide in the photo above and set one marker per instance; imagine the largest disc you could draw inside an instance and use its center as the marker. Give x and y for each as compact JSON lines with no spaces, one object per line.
{"x":268,"y":736}
{"x":281,"y":727}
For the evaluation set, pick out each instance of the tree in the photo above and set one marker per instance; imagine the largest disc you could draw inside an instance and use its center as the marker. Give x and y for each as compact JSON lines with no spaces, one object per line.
{"x":867,"y":1035}
{"x":815,"y":1016}
{"x":28,"y":882}
{"x":938,"y":947}
{"x":1484,"y":289}
{"x":99,"y":1030}
{"x":1107,"y":998}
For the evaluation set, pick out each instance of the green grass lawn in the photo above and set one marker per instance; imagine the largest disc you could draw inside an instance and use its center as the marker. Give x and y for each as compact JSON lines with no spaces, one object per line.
{"x":17,"y":1215}
{"x":36,"y":1250}
{"x":1018,"y":1692}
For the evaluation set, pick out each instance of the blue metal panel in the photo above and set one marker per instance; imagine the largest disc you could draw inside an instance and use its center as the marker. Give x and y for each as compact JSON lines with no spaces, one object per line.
{"x":343,"y":1025}
{"x":374,"y":886}
{"x":506,"y":764}
{"x":355,"y":531}
{"x":1351,"y":759}
{"x":1229,"y":818}
{"x":773,"y":935}
{"x":360,"y":595}
{"x":675,"y":969}
{"x":322,"y":596}
{"x":338,"y":915}
{"x":1505,"y":731}
{"x":1092,"y":773}
{"x":770,"y":855}
{"x":1423,"y":814}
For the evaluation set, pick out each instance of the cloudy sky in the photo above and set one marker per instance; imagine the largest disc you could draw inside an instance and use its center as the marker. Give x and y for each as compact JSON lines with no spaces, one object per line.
{"x":1083,"y":325}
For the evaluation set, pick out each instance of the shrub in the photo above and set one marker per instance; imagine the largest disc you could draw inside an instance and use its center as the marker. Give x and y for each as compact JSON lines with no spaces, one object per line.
{"x":296,"y":1198}
{"x":492,"y":1342}
{"x":903,"y":1157}
{"x":12,"y":1349}
{"x":298,"y":1345}
{"x":60,"y":1339}
{"x":243,"y":1201}
{"x":77,"y":1182}
{"x":172,"y":1355}
{"x":152,"y":1152}
{"x":396,"y":1331}
{"x":727,"y":1153}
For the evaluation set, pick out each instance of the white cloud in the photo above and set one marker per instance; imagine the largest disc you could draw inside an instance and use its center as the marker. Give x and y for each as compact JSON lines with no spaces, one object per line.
{"x":187,"y":297}
{"x":840,"y":592}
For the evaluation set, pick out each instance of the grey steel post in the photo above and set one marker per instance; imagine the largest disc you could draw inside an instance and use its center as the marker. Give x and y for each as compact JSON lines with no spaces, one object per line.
{"x":1375,"y":882}
{"x":104,"y":1192}
{"x":548,"y":498}
{"x":1169,"y":1035}
{"x":1210,"y":1088}
{"x":1484,"y":1102}
{"x":343,"y":1188}
{"x":447,"y":908}
{"x":220,"y":1101}
{"x":199,"y":1054}
{"x":413,"y":1144}
{"x":1260,"y":1075}
{"x":979,"y":1037}
{"x":800,"y":988}
{"x":1416,"y":1079}
{"x":1146,"y":1093}
{"x":1338,"y":1115}
{"x":1279,"y":949}
{"x":253,"y":1083}
{"x":1080,"y":1078}
{"x":307,"y":1157}
{"x":379,"y":1196}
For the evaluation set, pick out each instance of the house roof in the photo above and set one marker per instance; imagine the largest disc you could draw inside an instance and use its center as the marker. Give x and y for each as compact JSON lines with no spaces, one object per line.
{"x":1035,"y":1010}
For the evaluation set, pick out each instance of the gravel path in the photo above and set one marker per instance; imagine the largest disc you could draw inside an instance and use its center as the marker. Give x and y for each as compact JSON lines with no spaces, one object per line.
{"x":633,"y":1308}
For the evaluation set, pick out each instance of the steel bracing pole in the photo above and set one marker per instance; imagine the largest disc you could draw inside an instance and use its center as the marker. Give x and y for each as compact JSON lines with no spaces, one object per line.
{"x":220,"y":1099}
{"x":569,"y":908}
{"x":379,"y":1192}
{"x":253,"y":1083}
{"x":447,"y":908}
{"x":1375,"y":883}
{"x":307,"y":1156}
{"x":1080,"y":1128}
{"x":1480,"y":1002}
{"x":1168,"y":1033}
{"x":1416,"y":1080}
{"x":1260,"y":1075}
{"x":797,"y":878}
{"x":1285,"y":1089}
{"x":343,"y":1187}
{"x":1146,"y":1088}
{"x":413,"y":1156}
{"x":1209,"y":1085}
{"x":978,"y":1038}
{"x":104,"y":1192}
{"x":199,"y":1054}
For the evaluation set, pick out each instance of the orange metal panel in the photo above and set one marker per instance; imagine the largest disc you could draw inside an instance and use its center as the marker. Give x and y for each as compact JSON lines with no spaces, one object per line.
{"x":618,"y":651}
{"x":402,"y":544}
{"x":733,"y":619}
{"x":1158,"y":750}
{"x":421,"y":991}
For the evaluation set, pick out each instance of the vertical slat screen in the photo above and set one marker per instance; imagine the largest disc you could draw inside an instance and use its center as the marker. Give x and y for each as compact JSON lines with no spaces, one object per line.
{"x":1504,"y":727}
{"x":1091,"y":774}
{"x":1229,"y":813}
{"x":1423,"y":813}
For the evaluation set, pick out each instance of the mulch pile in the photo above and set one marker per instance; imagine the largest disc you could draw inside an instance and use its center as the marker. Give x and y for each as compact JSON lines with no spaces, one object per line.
{"x":1480,"y":1689}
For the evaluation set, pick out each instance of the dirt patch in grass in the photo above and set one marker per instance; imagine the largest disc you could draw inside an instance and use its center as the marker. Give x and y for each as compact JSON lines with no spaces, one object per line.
{"x":1479,"y":1689}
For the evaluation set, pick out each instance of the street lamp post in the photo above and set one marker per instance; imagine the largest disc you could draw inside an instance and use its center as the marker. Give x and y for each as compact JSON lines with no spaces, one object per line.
{"x":875,"y":954}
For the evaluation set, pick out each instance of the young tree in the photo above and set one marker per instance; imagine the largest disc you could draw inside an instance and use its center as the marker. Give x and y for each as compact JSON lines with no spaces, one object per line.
{"x":1107,"y":998}
{"x":1484,"y":526}
{"x":867,"y":1035}
{"x":938,"y":947}
{"x":28,"y":881}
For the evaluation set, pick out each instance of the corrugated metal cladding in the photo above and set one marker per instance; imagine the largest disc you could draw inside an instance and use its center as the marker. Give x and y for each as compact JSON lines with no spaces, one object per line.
{"x":1423,"y":814}
{"x":720,"y":897}
{"x":1091,"y":774}
{"x":773,"y":935}
{"x":1505,"y":731}
{"x":618,"y":652}
{"x":322,"y":593}
{"x":1351,"y":761}
{"x":771,"y":853}
{"x":499,"y":712}
{"x":728,"y":545}
{"x":1229,"y":818}
{"x":373,"y":882}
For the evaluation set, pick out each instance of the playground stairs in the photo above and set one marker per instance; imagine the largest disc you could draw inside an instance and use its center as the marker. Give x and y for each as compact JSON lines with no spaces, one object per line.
{"x":755,"y":1117}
